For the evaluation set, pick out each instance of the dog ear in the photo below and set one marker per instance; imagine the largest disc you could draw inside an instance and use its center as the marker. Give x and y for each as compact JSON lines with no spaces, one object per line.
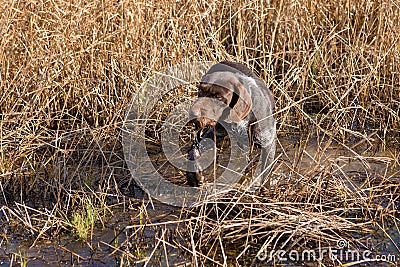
{"x":241,"y":102}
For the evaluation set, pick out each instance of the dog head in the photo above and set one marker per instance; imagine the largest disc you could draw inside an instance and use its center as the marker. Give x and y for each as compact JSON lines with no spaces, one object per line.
{"x":221,"y":97}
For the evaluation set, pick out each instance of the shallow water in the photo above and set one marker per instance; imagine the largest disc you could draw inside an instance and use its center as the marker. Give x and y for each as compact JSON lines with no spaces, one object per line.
{"x":65,"y":249}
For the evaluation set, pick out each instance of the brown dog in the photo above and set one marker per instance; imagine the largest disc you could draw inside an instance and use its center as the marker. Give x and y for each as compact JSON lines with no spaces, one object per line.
{"x":231,"y":94}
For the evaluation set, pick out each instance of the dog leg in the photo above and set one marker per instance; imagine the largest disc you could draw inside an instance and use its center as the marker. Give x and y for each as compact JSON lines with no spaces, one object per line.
{"x":196,"y":178}
{"x":263,"y":169}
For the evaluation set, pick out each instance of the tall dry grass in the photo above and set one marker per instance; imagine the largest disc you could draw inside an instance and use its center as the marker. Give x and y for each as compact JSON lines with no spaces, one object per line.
{"x":68,"y":70}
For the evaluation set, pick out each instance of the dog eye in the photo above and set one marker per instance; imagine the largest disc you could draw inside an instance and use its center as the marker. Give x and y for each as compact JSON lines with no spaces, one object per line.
{"x":201,"y":93}
{"x":219,"y":97}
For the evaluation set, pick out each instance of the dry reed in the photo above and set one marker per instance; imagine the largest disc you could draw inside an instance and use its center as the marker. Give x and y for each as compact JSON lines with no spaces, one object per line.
{"x":69,"y":69}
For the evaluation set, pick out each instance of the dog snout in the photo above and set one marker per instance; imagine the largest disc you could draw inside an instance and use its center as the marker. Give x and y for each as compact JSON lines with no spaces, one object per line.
{"x":194,"y":113}
{"x":195,"y":116}
{"x":200,"y":120}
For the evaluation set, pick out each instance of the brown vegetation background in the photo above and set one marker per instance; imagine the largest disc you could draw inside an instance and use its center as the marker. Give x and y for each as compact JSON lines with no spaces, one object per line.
{"x":68,"y":70}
